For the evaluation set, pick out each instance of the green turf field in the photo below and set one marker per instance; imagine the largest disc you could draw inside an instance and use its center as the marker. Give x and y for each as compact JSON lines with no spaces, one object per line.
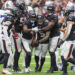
{"x":45,"y":68}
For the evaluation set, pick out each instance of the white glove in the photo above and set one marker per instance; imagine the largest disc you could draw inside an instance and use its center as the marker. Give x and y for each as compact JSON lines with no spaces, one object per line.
{"x":35,"y":29}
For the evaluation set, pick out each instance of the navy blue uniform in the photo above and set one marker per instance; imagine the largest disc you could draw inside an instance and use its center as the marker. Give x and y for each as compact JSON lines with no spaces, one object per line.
{"x":42,"y":34}
{"x":29,"y":25}
{"x":18,"y":26}
{"x":55,"y":29}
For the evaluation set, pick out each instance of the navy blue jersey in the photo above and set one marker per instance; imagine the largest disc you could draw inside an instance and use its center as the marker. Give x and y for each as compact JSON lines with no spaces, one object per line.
{"x":42,"y":34}
{"x":72,"y":33}
{"x":55,"y":28}
{"x":19,"y":24}
{"x":29,"y":25}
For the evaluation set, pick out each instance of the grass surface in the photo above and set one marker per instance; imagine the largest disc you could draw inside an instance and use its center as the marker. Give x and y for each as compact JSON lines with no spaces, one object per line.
{"x":44,"y":70}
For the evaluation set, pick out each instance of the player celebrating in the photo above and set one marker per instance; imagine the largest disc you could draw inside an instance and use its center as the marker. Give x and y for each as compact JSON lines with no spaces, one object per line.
{"x":54,"y":36}
{"x":6,"y":43}
{"x":19,"y":16}
{"x":28,"y":28}
{"x":41,"y":50}
{"x":68,"y":39}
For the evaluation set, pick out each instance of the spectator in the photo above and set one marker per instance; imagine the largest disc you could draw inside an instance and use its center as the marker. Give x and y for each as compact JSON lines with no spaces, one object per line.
{"x":0,"y":4}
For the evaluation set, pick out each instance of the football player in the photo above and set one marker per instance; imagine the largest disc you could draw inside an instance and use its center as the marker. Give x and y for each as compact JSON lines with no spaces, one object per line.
{"x":43,"y":40}
{"x":28,"y":29}
{"x":54,"y":36}
{"x":18,"y":15}
{"x":8,"y":4}
{"x":6,"y":43}
{"x":17,"y":36}
{"x":68,"y":40}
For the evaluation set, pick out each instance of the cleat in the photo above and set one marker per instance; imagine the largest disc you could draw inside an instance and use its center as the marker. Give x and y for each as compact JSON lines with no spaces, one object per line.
{"x":5,"y":71}
{"x":18,"y":70}
{"x":28,"y":70}
{"x":36,"y":68}
{"x":64,"y":74}
{"x":51,"y":70}
{"x":55,"y":68}
{"x":39,"y":70}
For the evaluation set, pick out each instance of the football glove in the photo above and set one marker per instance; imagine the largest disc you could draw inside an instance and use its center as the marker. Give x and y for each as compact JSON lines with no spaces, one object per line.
{"x":35,"y":29}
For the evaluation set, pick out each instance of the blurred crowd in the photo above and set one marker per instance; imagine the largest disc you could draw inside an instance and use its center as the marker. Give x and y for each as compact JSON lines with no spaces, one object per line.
{"x":21,"y":28}
{"x":60,"y":4}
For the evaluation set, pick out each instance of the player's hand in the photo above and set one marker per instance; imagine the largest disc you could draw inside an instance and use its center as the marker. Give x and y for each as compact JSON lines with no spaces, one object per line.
{"x":59,"y":43}
{"x":35,"y":29}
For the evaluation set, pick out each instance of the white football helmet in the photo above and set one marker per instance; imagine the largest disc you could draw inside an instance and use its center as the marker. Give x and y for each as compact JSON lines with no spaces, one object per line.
{"x":9,"y":5}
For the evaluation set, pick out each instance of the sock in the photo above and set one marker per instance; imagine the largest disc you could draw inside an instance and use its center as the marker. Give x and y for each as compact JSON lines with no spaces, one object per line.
{"x":64,"y":62}
{"x":53,"y":59}
{"x":28,"y":59}
{"x":6,"y":56}
{"x":41,"y":63}
{"x":37,"y":60}
{"x":16,"y":59}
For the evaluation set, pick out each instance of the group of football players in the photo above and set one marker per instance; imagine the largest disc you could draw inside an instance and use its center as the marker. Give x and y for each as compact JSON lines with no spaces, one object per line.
{"x":24,"y":28}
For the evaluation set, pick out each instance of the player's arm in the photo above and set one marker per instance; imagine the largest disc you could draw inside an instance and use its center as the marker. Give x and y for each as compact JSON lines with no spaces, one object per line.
{"x":61,"y":21}
{"x":68,"y":30}
{"x":66,"y":34}
{"x":49,"y":26}
{"x":46,"y":37}
{"x":26,"y":29}
{"x":51,"y":23}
